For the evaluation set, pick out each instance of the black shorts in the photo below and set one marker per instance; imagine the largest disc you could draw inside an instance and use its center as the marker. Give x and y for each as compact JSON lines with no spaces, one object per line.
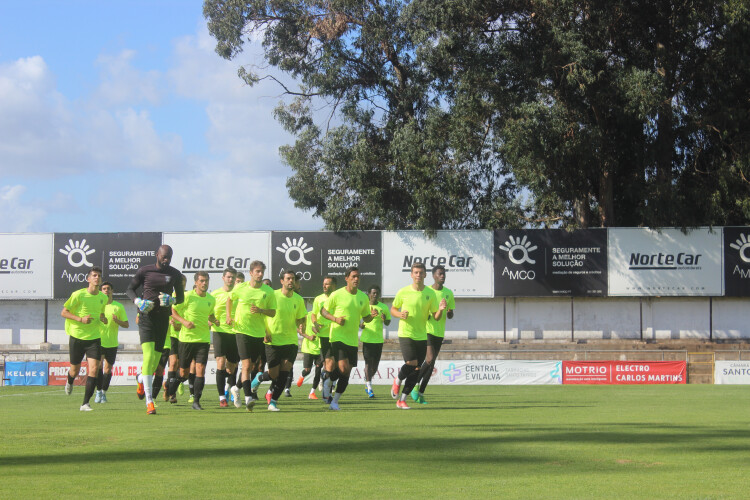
{"x":175,"y":349}
{"x":190,"y":351}
{"x":164,"y":360}
{"x":436,"y":343}
{"x":308,"y":360}
{"x":153,"y":327}
{"x":275,"y":354}
{"x":110,"y":354}
{"x":225,"y":346}
{"x":251,"y":348}
{"x":413,"y":349}
{"x":343,"y":351}
{"x":372,"y":352}
{"x":91,"y":348}
{"x":325,"y":347}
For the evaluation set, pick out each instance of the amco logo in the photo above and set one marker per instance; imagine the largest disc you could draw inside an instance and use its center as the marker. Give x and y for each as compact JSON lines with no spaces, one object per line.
{"x":518,"y":250}
{"x":742,"y":245}
{"x":452,"y":372}
{"x":77,"y":253}
{"x":294,"y":251}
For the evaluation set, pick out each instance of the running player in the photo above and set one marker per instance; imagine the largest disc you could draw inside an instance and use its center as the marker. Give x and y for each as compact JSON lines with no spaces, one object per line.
{"x":225,"y":343}
{"x":173,"y":339}
{"x":435,"y":333}
{"x":310,"y":354}
{"x":324,"y":333}
{"x":416,"y":303}
{"x":117,"y":317}
{"x":372,"y":336}
{"x":84,"y":317}
{"x":345,"y":308}
{"x":281,"y":341}
{"x":252,"y":301}
{"x":158,"y":282}
{"x":194,"y":314}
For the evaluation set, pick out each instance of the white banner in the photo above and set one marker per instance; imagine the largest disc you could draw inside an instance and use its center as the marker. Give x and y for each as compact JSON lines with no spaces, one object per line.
{"x":213,"y":252}
{"x":26,"y":266}
{"x":732,"y":372}
{"x":466,"y":255}
{"x":646,"y":262}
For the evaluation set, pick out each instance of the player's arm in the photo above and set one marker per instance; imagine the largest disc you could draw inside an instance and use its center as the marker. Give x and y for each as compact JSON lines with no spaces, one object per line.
{"x":80,"y":319}
{"x":121,"y":323}
{"x":330,"y":317}
{"x":179,"y":290}
{"x":187,"y":324}
{"x":398,"y":314}
{"x":103,"y":318}
{"x":257,"y":310}
{"x":441,"y":307}
{"x":212,"y":319}
{"x":135,"y":283}
{"x":228,"y":310}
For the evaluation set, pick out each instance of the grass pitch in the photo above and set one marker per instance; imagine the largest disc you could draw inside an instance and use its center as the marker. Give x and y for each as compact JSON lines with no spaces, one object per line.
{"x":479,"y":442}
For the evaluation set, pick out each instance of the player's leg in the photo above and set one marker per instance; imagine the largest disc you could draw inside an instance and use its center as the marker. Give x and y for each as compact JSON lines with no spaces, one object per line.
{"x":408,"y":352}
{"x":346,"y":358}
{"x":425,"y":371}
{"x":221,"y":366}
{"x":109,"y":355}
{"x":418,"y":350}
{"x":93,"y":359}
{"x":201,"y":358}
{"x":372,"y":353}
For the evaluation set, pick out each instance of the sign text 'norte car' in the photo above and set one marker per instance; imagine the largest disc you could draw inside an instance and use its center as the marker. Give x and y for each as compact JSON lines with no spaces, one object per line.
{"x":545,"y":262}
{"x":26,"y":266}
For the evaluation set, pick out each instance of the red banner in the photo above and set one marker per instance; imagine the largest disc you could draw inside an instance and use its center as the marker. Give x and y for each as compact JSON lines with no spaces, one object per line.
{"x":624,"y":372}
{"x":58,"y":373}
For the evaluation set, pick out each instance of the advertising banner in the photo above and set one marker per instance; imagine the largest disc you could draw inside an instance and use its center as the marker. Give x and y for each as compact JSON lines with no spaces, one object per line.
{"x":550,"y":262}
{"x":58,"y":373}
{"x":26,"y":266}
{"x":214,"y":252}
{"x":737,"y":261}
{"x":315,"y":254}
{"x":732,"y":372}
{"x":118,"y":254}
{"x":624,"y":372}
{"x":466,"y":255}
{"x":646,"y":262}
{"x":26,"y":373}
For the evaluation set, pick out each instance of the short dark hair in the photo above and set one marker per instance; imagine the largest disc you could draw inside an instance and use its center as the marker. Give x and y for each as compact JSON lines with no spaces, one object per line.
{"x":240,"y":274}
{"x":95,"y":269}
{"x":107,"y":283}
{"x":374,"y":287}
{"x":229,"y":270}
{"x":288,"y":271}
{"x":350,"y":270}
{"x":332,"y":278}
{"x":199,"y":274}
{"x":257,"y":263}
{"x":437,"y":268}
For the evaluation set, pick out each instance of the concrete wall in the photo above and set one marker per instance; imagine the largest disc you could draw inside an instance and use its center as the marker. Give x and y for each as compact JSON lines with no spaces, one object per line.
{"x":22,"y":322}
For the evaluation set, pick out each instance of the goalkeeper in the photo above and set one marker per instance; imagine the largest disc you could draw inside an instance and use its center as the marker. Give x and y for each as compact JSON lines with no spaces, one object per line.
{"x":154,"y":309}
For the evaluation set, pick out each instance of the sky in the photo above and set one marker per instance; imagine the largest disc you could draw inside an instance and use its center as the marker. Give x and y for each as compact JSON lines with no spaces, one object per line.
{"x":120,"y":116}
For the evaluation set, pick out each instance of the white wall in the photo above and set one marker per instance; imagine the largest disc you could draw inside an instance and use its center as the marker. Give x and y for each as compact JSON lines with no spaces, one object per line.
{"x":22,"y":322}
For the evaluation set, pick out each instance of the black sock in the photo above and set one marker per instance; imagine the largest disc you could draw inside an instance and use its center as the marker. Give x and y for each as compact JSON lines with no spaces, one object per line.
{"x":342,"y":384}
{"x":316,"y":378}
{"x":411,"y":380}
{"x":334,"y":375}
{"x":90,"y":388}
{"x":289,"y":380}
{"x":199,"y":383}
{"x":405,"y":371}
{"x":221,"y":377}
{"x":424,"y":376}
{"x":71,"y":379}
{"x":191,"y":383}
{"x":305,"y":372}
{"x":173,"y":383}
{"x":99,"y":380}
{"x":156,"y":385}
{"x":232,"y":378}
{"x":278,"y":385}
{"x":107,"y":380}
{"x":246,"y":388}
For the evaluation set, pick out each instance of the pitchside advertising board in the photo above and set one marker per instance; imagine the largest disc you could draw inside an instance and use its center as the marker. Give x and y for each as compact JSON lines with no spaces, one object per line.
{"x":214,"y":252}
{"x":737,"y":261}
{"x":316,"y":254}
{"x":26,"y":266}
{"x":667,"y":262}
{"x":732,"y":372}
{"x":466,"y":255}
{"x":118,"y":254}
{"x":624,"y":372}
{"x":550,"y":263}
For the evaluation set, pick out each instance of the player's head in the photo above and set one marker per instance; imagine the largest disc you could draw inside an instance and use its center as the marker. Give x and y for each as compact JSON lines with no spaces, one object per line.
{"x":257,"y":270}
{"x":287,"y":279}
{"x":229,"y":276}
{"x":297,"y":283}
{"x":107,"y":289}
{"x":418,"y":272}
{"x":239,"y":278}
{"x":438,"y":274}
{"x":329,"y":285}
{"x":201,"y":281}
{"x":374,"y":293}
{"x":94,"y":277}
{"x":163,"y":256}
{"x":352,"y":276}
{"x":268,"y":282}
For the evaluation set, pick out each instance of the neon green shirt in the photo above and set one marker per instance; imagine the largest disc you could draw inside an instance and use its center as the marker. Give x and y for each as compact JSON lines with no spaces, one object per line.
{"x":420,"y":305}
{"x":220,"y":310}
{"x":325,"y":325}
{"x":437,"y":328}
{"x":353,"y":307}
{"x":82,"y":303}
{"x":246,"y":296}
{"x":309,"y":346}
{"x":372,"y":332}
{"x":283,"y":326}
{"x":109,"y":332}
{"x":196,"y":309}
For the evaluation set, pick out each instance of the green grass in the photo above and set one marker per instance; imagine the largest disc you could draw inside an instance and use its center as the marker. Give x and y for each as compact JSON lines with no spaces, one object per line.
{"x":481,"y":442}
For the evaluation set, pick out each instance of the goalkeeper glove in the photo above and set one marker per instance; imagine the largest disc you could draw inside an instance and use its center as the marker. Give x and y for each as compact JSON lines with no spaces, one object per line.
{"x":143,"y":306}
{"x":166,"y":300}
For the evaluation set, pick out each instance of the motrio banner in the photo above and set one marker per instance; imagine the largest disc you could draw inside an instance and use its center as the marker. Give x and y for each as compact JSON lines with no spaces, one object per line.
{"x":214,"y":252}
{"x":737,"y":261}
{"x":26,"y":266}
{"x":312,"y":255}
{"x":732,"y":372}
{"x":547,"y":262}
{"x":466,"y":255}
{"x":666,"y":262}
{"x":118,"y":254}
{"x":624,"y":372}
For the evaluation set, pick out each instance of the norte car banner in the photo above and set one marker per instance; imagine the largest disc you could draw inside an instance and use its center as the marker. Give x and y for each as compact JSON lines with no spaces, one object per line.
{"x":316,"y":254}
{"x":466,"y":255}
{"x":666,"y":262}
{"x":118,"y":254}
{"x":26,"y":372}
{"x":737,"y":261}
{"x":214,"y":252}
{"x":624,"y":372}
{"x":732,"y":372}
{"x":550,"y":262}
{"x":26,"y":266}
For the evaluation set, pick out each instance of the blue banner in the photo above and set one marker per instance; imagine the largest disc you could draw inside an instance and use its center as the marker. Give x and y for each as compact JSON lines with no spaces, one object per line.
{"x":26,"y":372}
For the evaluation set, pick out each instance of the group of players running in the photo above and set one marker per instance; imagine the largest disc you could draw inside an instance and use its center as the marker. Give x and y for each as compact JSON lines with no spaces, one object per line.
{"x":255,"y":333}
